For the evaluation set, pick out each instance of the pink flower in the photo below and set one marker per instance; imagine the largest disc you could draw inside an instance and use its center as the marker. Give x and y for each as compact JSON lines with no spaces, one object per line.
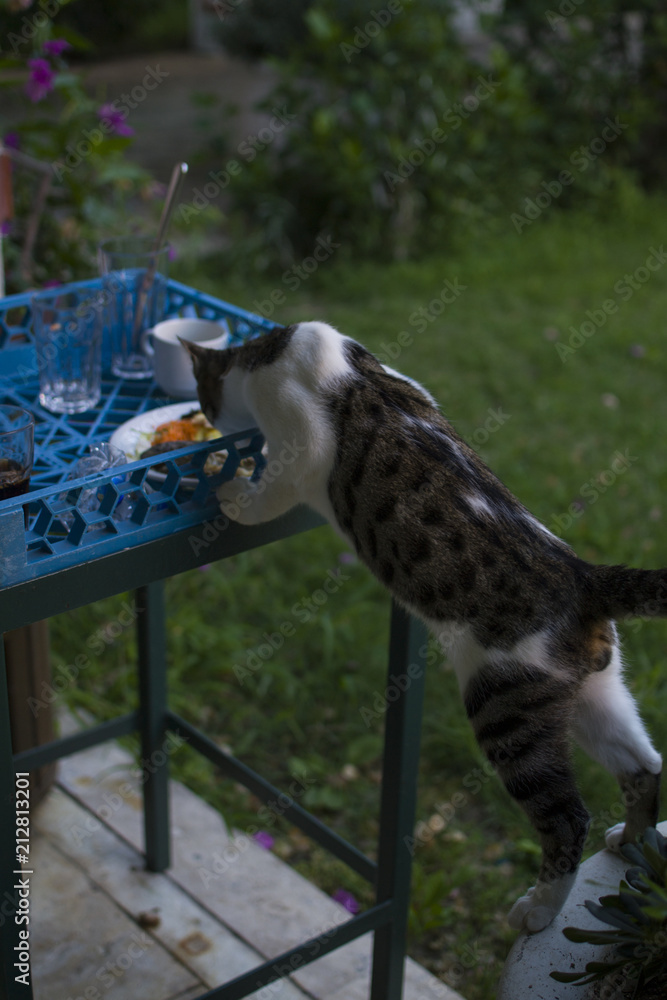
{"x":264,"y":839}
{"x":56,"y":46}
{"x":41,"y":79}
{"x":346,"y":899}
{"x":114,"y":120}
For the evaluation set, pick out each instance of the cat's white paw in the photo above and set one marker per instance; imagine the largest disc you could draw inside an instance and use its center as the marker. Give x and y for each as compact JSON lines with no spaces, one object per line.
{"x":235,"y":502}
{"x":544,"y":901}
{"x":613,"y":837}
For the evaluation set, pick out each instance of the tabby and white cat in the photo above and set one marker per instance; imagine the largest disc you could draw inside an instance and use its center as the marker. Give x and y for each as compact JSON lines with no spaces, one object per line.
{"x":527,"y":625}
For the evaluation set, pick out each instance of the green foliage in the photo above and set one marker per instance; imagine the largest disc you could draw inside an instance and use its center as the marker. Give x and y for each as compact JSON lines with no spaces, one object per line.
{"x":83,"y":151}
{"x":255,"y":29}
{"x":395,"y":137}
{"x":109,"y":27}
{"x":637,"y":915}
{"x":405,"y":138}
{"x":585,"y":64}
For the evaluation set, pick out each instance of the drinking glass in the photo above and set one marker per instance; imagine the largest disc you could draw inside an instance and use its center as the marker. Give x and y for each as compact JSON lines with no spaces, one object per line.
{"x":17,"y":429}
{"x":134,"y":284}
{"x":68,"y":343}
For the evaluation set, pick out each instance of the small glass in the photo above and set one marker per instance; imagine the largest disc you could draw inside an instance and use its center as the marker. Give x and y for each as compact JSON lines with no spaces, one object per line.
{"x":134,"y":284}
{"x":17,"y":436}
{"x":68,"y":344}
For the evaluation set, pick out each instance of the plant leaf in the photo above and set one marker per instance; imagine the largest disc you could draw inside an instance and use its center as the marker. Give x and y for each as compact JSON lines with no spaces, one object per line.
{"x":609,"y":914}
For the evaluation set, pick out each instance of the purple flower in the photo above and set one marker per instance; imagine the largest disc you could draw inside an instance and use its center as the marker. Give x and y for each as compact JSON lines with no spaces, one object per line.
{"x":52,"y":283}
{"x":264,"y":839}
{"x":114,"y":120}
{"x":11,"y":140}
{"x":346,"y":899}
{"x":6,"y":227}
{"x":56,"y":46}
{"x":41,"y":79}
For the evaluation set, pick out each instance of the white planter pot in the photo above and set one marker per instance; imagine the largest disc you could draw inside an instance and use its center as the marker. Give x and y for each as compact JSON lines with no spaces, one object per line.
{"x":534,"y":956}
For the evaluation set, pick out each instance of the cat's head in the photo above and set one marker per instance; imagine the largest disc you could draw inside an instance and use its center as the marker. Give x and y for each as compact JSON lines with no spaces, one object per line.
{"x":219,"y":397}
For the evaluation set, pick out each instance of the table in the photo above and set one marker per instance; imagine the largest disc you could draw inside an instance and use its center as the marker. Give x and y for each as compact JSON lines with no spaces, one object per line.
{"x":71,"y":555}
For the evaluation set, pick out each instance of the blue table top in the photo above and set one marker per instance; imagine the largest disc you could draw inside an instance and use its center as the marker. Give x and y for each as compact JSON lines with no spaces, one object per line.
{"x":66,"y":527}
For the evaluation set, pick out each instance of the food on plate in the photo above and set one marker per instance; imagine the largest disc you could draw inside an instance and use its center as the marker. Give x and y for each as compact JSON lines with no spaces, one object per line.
{"x":189,"y":429}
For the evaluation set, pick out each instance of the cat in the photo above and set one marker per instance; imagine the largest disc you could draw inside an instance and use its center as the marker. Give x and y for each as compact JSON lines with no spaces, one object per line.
{"x":527,"y":626}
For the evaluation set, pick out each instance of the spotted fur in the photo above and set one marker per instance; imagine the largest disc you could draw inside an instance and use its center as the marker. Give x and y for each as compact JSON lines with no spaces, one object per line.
{"x":528,"y":626}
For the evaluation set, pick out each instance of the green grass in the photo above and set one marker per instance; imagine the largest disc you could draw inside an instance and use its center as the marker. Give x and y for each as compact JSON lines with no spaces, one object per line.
{"x":558,"y":427}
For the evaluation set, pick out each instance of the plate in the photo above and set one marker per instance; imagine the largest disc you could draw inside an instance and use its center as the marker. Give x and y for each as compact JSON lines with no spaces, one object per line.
{"x":133,"y":436}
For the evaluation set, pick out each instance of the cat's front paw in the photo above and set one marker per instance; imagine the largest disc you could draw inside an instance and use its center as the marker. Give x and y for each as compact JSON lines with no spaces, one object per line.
{"x":614,"y":837}
{"x":235,"y":501}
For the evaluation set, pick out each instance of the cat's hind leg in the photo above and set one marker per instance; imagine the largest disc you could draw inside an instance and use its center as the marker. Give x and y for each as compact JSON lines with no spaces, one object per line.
{"x":519,"y":713}
{"x":608,"y":727}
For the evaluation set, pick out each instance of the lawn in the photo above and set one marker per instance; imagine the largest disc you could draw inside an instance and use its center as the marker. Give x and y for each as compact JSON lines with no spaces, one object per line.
{"x":547,"y":351}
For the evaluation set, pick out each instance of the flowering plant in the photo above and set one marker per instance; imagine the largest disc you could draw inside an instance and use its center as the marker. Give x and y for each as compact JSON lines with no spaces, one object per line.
{"x":71,"y":181}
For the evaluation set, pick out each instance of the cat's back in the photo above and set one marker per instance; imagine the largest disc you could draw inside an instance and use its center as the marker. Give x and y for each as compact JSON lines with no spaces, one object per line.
{"x":427,"y":515}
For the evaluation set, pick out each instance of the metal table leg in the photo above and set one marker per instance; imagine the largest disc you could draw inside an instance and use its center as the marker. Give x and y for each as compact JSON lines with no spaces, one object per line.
{"x":153,"y":720}
{"x":404,"y":698}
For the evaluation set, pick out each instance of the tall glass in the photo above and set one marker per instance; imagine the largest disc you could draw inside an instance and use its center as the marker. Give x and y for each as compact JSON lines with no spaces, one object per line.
{"x":17,"y":430}
{"x":68,"y":344}
{"x":134,"y":283}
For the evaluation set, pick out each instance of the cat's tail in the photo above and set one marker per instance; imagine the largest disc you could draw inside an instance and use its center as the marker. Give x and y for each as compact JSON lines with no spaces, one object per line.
{"x":621,"y":592}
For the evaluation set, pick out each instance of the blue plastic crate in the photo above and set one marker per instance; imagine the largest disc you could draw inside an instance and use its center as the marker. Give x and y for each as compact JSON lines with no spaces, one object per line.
{"x":62,"y":527}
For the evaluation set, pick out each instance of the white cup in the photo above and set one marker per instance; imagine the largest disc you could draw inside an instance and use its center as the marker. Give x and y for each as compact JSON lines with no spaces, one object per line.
{"x":171,"y":362}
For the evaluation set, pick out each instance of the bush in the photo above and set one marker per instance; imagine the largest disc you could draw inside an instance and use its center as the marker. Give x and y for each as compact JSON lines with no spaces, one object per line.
{"x":587,"y":63}
{"x":402,"y":140}
{"x":81,"y":147}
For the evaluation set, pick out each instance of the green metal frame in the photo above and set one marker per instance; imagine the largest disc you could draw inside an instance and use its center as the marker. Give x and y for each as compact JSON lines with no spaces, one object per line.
{"x":143,"y":569}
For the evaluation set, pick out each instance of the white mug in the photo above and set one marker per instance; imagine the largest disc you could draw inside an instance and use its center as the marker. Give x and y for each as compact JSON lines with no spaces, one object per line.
{"x":171,"y":362}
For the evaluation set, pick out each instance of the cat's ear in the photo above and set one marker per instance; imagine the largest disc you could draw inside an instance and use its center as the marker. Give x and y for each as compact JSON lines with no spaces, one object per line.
{"x":197,"y":354}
